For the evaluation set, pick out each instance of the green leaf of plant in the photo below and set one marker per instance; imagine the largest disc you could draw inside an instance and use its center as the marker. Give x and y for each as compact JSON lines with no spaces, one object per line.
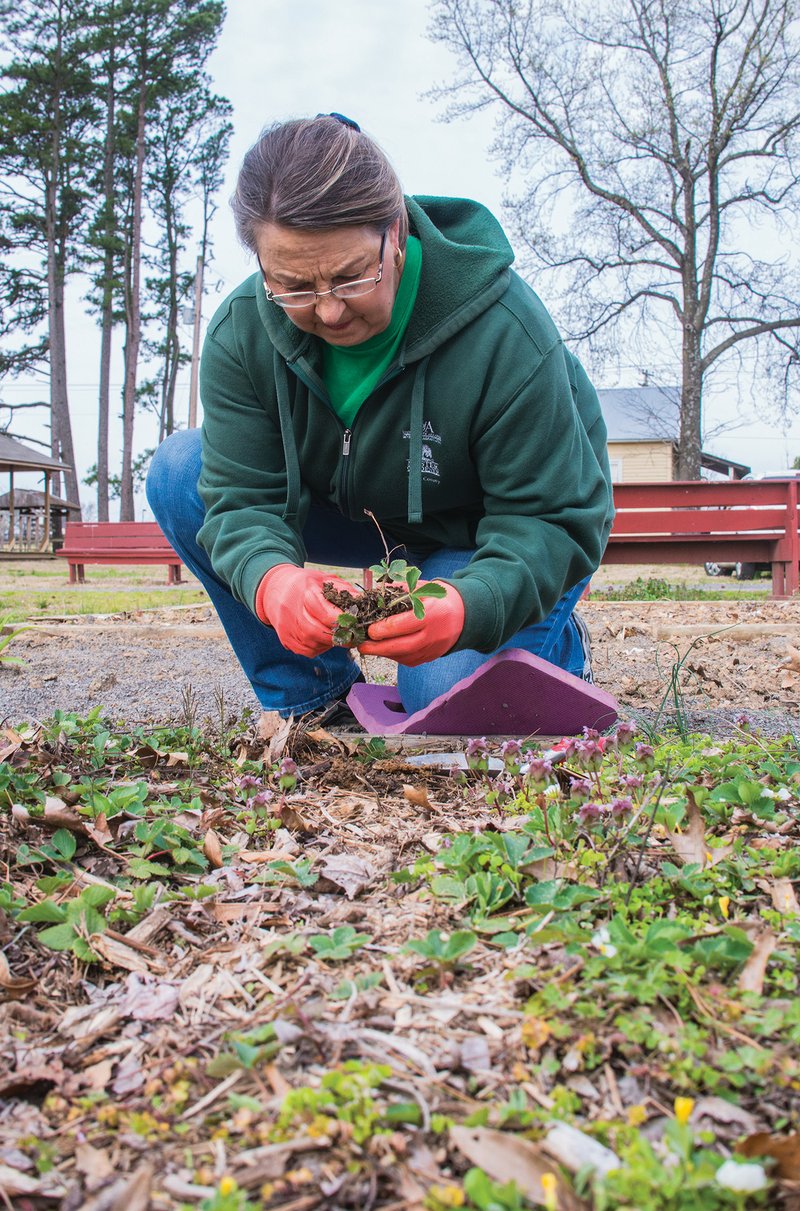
{"x":412,"y":578}
{"x":65,"y":843}
{"x":432,"y":589}
{"x":140,"y":868}
{"x":45,"y":910}
{"x":417,"y":607}
{"x":58,"y":937}
{"x":97,"y":897}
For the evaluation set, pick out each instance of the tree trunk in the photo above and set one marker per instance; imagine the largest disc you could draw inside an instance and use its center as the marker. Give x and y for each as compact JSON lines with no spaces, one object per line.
{"x":133,"y":318}
{"x":107,"y":307}
{"x":690,"y":439}
{"x":60,"y":424}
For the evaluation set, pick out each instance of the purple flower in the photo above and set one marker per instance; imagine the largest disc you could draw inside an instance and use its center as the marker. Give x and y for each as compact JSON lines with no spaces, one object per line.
{"x":539,"y":774}
{"x":580,"y":789}
{"x":591,"y":733}
{"x":633,"y":782}
{"x":589,"y":755}
{"x":477,"y":753}
{"x":624,"y":736}
{"x":590,"y":812}
{"x":511,"y":753}
{"x":248,"y":780}
{"x":621,"y":808}
{"x":644,"y":756}
{"x":261,"y":799}
{"x":744,"y":722}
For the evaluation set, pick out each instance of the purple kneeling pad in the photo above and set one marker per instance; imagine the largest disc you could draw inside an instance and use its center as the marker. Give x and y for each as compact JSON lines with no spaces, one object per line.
{"x":513,"y":694}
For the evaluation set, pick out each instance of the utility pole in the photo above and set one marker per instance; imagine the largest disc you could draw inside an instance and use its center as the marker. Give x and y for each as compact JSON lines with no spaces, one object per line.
{"x":198,"y":306}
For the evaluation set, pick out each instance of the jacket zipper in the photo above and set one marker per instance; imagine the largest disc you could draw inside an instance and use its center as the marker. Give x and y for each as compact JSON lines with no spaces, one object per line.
{"x":346,"y":439}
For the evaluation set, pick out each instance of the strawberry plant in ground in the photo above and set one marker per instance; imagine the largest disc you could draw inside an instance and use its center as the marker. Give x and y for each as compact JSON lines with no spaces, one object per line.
{"x":268,"y":968}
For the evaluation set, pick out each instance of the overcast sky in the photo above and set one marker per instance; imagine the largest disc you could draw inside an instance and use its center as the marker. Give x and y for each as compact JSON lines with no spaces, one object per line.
{"x":373,"y":62}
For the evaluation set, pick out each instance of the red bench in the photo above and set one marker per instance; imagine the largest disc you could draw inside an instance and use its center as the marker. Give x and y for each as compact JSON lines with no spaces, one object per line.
{"x":111,"y":542}
{"x":726,"y":521}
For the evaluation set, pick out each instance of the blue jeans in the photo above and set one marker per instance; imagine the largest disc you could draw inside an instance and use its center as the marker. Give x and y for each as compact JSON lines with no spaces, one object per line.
{"x":293,"y":684}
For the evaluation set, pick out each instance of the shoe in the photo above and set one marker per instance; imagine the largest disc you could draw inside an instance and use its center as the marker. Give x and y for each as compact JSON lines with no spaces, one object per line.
{"x":337,"y":716}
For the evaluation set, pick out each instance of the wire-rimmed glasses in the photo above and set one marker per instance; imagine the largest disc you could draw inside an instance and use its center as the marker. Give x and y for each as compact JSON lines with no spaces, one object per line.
{"x":345,"y":290}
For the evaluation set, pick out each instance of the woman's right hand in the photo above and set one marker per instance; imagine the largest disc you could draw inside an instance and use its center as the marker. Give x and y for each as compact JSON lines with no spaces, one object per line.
{"x":290,"y":600}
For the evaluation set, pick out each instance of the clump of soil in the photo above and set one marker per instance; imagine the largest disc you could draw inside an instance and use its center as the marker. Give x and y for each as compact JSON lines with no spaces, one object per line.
{"x":368,"y":606}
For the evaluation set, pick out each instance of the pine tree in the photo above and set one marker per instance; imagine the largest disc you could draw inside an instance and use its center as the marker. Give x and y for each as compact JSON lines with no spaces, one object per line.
{"x":46,"y":110}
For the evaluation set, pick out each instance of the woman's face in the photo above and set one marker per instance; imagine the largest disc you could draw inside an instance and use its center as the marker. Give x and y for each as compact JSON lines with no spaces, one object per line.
{"x":296,"y":259}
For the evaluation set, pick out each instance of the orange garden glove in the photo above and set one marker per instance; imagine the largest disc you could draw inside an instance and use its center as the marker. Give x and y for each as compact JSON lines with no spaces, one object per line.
{"x":290,"y":600}
{"x":411,"y":640}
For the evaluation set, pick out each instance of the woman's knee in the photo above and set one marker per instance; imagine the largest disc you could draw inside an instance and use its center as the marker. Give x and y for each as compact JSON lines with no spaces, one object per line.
{"x":171,"y":485}
{"x":175,"y":466}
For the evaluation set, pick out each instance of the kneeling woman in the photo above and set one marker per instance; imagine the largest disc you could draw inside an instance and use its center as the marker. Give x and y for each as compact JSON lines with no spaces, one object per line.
{"x":384,"y":357}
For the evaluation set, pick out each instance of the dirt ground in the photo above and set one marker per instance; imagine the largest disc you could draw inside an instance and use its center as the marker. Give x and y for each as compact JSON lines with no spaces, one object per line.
{"x":713,"y":660}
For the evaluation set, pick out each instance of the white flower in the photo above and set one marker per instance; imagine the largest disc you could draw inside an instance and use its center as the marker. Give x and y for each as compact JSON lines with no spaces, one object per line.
{"x":768,"y":793}
{"x":552,"y":791}
{"x":745,"y":1178}
{"x":784,"y":793}
{"x":601,"y":939}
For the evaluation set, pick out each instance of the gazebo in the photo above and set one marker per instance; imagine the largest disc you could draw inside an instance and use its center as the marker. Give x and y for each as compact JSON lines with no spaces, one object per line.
{"x":15,"y":456}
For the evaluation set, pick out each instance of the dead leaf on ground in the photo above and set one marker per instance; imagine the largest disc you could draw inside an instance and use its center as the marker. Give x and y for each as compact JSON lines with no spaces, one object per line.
{"x":690,"y":845}
{"x":56,"y":815}
{"x":784,"y":1149}
{"x":93,"y":1163}
{"x":148,"y":1000}
{"x":784,"y":897}
{"x":418,"y":797}
{"x":253,"y":856}
{"x":752,"y":974}
{"x":507,"y":1157}
{"x":792,"y":660}
{"x":11,"y":988}
{"x":719,"y":1110}
{"x":573,"y":1149}
{"x":292,"y":820}
{"x":212,"y":848}
{"x":273,"y":731}
{"x":348,"y":871}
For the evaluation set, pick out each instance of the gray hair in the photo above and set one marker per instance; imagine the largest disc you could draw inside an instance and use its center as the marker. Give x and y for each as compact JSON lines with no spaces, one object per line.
{"x":316,"y":173}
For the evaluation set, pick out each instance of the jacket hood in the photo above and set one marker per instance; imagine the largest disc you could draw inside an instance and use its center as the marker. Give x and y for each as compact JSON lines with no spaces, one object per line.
{"x":465,"y":268}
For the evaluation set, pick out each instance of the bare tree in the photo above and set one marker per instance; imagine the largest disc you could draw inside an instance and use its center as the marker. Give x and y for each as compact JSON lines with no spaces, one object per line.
{"x":667,"y":131}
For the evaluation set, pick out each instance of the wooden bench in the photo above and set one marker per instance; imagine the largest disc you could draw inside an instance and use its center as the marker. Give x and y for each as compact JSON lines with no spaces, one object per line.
{"x":726,"y":521}
{"x":113,"y":542}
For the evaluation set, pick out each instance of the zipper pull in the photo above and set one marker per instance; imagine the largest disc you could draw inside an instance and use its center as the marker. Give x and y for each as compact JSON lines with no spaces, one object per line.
{"x":348,"y":433}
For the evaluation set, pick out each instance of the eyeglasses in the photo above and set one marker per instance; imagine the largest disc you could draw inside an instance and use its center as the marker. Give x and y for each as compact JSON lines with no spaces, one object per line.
{"x":345,"y":290}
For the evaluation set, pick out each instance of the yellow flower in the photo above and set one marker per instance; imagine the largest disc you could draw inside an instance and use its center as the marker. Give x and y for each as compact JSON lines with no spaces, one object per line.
{"x":683,"y":1109}
{"x":447,"y":1196}
{"x":637,"y":1115}
{"x":227,"y":1186}
{"x":724,"y":905}
{"x":550,"y":1189}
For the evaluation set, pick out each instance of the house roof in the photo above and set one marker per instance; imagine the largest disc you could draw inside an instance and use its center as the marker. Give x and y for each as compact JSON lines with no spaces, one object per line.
{"x":635,"y":414}
{"x":641,"y":413}
{"x":14,"y":456}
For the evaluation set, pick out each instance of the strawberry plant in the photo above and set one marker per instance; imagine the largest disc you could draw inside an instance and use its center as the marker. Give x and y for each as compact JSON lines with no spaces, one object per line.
{"x":390,"y":587}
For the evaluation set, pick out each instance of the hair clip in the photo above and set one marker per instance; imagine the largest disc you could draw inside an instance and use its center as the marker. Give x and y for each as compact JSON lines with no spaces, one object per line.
{"x":345,"y":121}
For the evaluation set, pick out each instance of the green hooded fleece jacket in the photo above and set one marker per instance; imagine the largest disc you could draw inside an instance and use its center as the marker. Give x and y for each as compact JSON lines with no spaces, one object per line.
{"x":484,"y":433}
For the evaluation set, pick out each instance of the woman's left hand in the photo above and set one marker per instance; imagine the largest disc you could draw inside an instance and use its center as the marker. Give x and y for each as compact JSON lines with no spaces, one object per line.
{"x":411,"y":640}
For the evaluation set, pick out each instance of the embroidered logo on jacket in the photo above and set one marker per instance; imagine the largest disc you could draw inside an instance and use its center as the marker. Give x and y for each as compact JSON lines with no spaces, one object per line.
{"x":429,"y":465}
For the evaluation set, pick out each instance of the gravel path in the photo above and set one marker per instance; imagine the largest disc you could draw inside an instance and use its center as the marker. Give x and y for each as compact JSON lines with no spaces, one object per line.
{"x":166,"y":664}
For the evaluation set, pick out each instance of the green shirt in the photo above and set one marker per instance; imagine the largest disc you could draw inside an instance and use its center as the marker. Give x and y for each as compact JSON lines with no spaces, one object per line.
{"x":351,"y":373}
